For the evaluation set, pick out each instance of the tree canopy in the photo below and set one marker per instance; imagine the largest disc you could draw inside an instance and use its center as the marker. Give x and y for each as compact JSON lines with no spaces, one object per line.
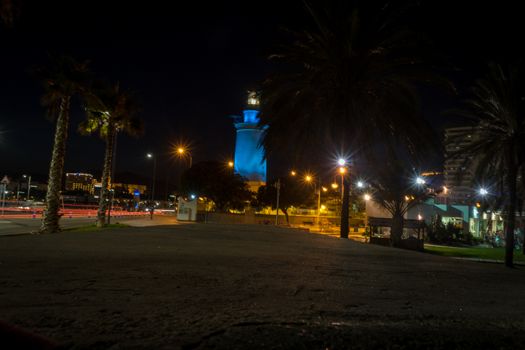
{"x":218,"y":183}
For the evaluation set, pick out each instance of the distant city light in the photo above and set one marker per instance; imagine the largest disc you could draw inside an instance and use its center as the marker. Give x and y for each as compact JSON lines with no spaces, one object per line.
{"x":230,"y":164}
{"x":293,"y":173}
{"x":335,"y":186}
{"x":192,"y":196}
{"x":360,"y":184}
{"x":149,"y":155}
{"x":325,"y":189}
{"x":419,"y":217}
{"x":445,"y":190}
{"x":308,"y":178}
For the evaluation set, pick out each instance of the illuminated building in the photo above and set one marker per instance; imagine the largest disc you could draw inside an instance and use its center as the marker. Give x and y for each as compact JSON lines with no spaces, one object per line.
{"x":79,"y":182}
{"x":249,"y":153}
{"x":458,"y":175}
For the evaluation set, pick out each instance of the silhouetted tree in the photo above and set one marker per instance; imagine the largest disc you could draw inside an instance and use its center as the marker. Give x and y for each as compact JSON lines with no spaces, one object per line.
{"x":109,"y":111}
{"x":63,"y":78}
{"x":292,"y":193}
{"x":394,"y":188}
{"x":218,"y":183}
{"x":497,"y":113}
{"x":349,"y":82}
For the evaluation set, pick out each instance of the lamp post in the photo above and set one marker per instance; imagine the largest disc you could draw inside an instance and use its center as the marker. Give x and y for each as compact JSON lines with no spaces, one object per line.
{"x":28,"y":177}
{"x":317,"y":191}
{"x":181,"y":151}
{"x":278,"y":187}
{"x":152,"y":156}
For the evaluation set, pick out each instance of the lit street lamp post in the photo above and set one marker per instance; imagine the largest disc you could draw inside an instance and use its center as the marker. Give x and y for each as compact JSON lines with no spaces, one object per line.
{"x":152,"y":156}
{"x":28,"y":177}
{"x":183,"y":151}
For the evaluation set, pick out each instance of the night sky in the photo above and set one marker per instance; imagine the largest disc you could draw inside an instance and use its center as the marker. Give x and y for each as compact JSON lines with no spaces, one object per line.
{"x":191,"y":66}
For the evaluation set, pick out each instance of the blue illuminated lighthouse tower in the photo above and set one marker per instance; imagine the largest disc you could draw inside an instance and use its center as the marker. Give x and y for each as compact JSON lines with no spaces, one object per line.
{"x":249,"y":153}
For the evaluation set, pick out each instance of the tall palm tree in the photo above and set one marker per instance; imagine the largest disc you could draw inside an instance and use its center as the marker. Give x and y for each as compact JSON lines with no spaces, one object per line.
{"x":109,"y":111}
{"x":497,"y":112}
{"x":349,"y":82}
{"x":62,"y":79}
{"x":395,"y":190}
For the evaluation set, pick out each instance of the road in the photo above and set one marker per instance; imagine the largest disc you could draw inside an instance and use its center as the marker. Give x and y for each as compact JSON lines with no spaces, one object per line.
{"x":252,"y":287}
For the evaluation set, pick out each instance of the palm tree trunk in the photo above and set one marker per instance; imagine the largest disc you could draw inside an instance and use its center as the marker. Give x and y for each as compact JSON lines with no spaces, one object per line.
{"x":511,"y":214}
{"x":50,"y":223}
{"x":396,"y":231}
{"x":106,"y":174}
{"x":344,"y":208}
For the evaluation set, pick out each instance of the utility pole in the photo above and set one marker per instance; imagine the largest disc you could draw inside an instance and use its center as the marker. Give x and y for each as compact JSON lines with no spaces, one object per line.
{"x":278,"y":187}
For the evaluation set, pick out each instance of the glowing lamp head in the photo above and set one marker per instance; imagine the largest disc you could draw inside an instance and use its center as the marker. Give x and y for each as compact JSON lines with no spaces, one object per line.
{"x":420,"y":180}
{"x":180,"y":150}
{"x":325,"y":189}
{"x":230,"y":164}
{"x":192,"y":196}
{"x":483,"y":191}
{"x":149,"y":155}
{"x":360,"y":184}
{"x":293,"y":173}
{"x":335,"y":186}
{"x":367,"y":197}
{"x":341,"y":162}
{"x":342,"y":170}
{"x":308,"y":178}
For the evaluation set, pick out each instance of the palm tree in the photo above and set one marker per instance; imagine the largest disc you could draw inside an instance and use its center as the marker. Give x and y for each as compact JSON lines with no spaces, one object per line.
{"x":109,"y":111}
{"x":497,"y":113}
{"x":350,"y":82}
{"x":62,"y":79}
{"x":395,"y":190}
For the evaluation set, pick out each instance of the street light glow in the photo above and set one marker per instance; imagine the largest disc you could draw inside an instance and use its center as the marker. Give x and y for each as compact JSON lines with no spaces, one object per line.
{"x":360,"y":184}
{"x":149,"y":155}
{"x":483,"y":191}
{"x":293,"y":173}
{"x":420,"y":180}
{"x":367,"y":197}
{"x":230,"y":164}
{"x":181,"y":150}
{"x":342,"y":170}
{"x":325,"y":189}
{"x":341,"y":161}
{"x":335,"y":186}
{"x":308,"y":178}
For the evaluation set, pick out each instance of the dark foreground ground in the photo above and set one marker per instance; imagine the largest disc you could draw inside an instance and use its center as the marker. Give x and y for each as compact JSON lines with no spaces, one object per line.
{"x":250,"y":287}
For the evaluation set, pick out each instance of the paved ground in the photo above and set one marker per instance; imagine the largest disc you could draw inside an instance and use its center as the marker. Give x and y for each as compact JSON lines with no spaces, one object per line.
{"x":16,"y":226}
{"x":203,"y":286}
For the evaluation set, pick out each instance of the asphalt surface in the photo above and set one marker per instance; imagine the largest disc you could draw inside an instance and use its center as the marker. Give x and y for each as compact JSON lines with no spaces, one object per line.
{"x":252,"y":287}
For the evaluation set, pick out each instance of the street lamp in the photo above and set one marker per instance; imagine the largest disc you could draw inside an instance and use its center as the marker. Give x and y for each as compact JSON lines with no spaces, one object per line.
{"x":230,"y":164}
{"x":293,"y":173}
{"x":181,"y":151}
{"x":420,"y":180}
{"x":28,"y":177}
{"x":152,"y":156}
{"x":341,"y":162}
{"x":483,"y":191}
{"x":317,"y":191}
{"x":360,"y":184}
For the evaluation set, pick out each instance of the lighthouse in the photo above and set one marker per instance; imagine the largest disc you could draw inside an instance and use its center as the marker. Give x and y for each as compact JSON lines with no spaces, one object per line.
{"x":249,"y":152}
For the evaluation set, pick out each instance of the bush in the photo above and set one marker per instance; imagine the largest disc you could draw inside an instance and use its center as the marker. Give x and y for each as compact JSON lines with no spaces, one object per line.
{"x":440,"y":233}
